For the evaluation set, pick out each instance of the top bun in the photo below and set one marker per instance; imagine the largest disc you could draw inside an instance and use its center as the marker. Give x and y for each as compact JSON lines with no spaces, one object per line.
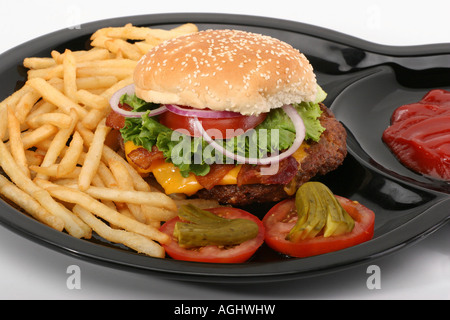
{"x":225,"y":70}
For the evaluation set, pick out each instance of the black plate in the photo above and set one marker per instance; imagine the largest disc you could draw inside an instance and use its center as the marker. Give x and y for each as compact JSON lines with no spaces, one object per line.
{"x":365,"y":83}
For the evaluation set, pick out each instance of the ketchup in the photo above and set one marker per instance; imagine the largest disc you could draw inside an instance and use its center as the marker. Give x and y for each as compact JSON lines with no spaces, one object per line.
{"x":419,"y":135}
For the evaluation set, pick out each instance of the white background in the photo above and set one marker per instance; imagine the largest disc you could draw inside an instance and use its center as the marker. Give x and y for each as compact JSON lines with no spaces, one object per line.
{"x":421,"y":271}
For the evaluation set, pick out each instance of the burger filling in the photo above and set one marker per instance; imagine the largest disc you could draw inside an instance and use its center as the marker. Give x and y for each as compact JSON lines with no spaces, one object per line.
{"x":184,"y":162}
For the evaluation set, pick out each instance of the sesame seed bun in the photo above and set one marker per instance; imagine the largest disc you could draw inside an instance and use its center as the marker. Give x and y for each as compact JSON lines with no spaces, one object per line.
{"x":225,"y":70}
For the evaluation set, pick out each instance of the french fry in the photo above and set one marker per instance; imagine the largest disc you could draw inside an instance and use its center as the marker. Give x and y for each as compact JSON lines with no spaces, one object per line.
{"x":96,"y":82}
{"x":84,"y":185}
{"x":82,"y":56}
{"x":70,"y":75}
{"x":25,"y":105}
{"x":3,"y":123}
{"x":122,"y":83}
{"x":72,"y":224}
{"x":93,"y":156}
{"x":68,"y":182}
{"x":98,"y":182}
{"x":56,"y":56}
{"x":186,"y":28}
{"x":101,"y":210}
{"x":29,"y":204}
{"x":68,"y":162}
{"x":155,"y":199}
{"x":110,"y":63}
{"x":109,"y":154}
{"x":127,"y":49}
{"x":47,"y":172}
{"x":60,"y":120}
{"x":71,"y":156}
{"x":139,"y":182}
{"x":58,"y":144}
{"x":173,"y":33}
{"x":54,"y":96}
{"x":125,"y":182}
{"x":56,"y":71}
{"x":12,"y":169}
{"x":72,"y":175}
{"x":126,"y":32}
{"x":99,"y":41}
{"x":107,"y":176}
{"x":34,"y":158}
{"x":140,"y":33}
{"x":13,"y":99}
{"x":38,"y":63}
{"x":92,"y":101}
{"x":155,"y":206}
{"x":154,"y":214}
{"x":95,"y":116}
{"x":16,"y":144}
{"x":94,"y":55}
{"x":144,"y":47}
{"x":126,"y":212}
{"x":39,"y":108}
{"x":89,"y":85}
{"x":33,"y":138}
{"x":120,"y":73}
{"x":57,"y":82}
{"x":132,"y":240}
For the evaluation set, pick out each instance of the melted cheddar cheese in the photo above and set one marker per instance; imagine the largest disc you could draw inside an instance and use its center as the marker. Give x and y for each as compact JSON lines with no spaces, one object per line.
{"x":171,"y":180}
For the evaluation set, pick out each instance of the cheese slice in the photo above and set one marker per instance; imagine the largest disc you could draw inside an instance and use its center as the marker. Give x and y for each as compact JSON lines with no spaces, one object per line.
{"x":171,"y":180}
{"x":300,"y":154}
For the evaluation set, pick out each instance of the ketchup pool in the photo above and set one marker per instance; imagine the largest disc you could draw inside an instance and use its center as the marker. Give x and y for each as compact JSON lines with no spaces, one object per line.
{"x":419,"y":135}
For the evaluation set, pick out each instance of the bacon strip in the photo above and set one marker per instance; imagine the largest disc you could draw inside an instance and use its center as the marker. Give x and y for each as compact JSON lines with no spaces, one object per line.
{"x":115,"y":120}
{"x":250,"y":174}
{"x":143,"y":158}
{"x":216,"y":173}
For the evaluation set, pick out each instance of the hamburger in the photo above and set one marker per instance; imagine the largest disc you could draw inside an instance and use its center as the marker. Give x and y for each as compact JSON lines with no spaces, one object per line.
{"x":227,"y":115}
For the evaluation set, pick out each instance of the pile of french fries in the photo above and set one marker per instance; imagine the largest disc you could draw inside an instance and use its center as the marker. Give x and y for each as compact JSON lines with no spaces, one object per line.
{"x":59,"y":169}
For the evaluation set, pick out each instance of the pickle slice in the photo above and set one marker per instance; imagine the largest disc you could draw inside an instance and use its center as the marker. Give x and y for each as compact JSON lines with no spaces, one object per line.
{"x":319,"y":213}
{"x":203,"y":228}
{"x":338,"y":220}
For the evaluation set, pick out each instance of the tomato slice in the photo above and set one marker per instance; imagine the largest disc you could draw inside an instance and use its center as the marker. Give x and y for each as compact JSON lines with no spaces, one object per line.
{"x":216,"y":254}
{"x":216,"y":128}
{"x":283,"y":216}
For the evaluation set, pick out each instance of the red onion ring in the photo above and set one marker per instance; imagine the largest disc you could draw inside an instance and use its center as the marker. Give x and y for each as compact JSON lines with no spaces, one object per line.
{"x":300,"y":132}
{"x":115,"y":101}
{"x":211,"y":114}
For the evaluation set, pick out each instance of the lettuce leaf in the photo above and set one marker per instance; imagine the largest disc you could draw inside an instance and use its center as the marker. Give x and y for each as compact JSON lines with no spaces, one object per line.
{"x":196,"y":155}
